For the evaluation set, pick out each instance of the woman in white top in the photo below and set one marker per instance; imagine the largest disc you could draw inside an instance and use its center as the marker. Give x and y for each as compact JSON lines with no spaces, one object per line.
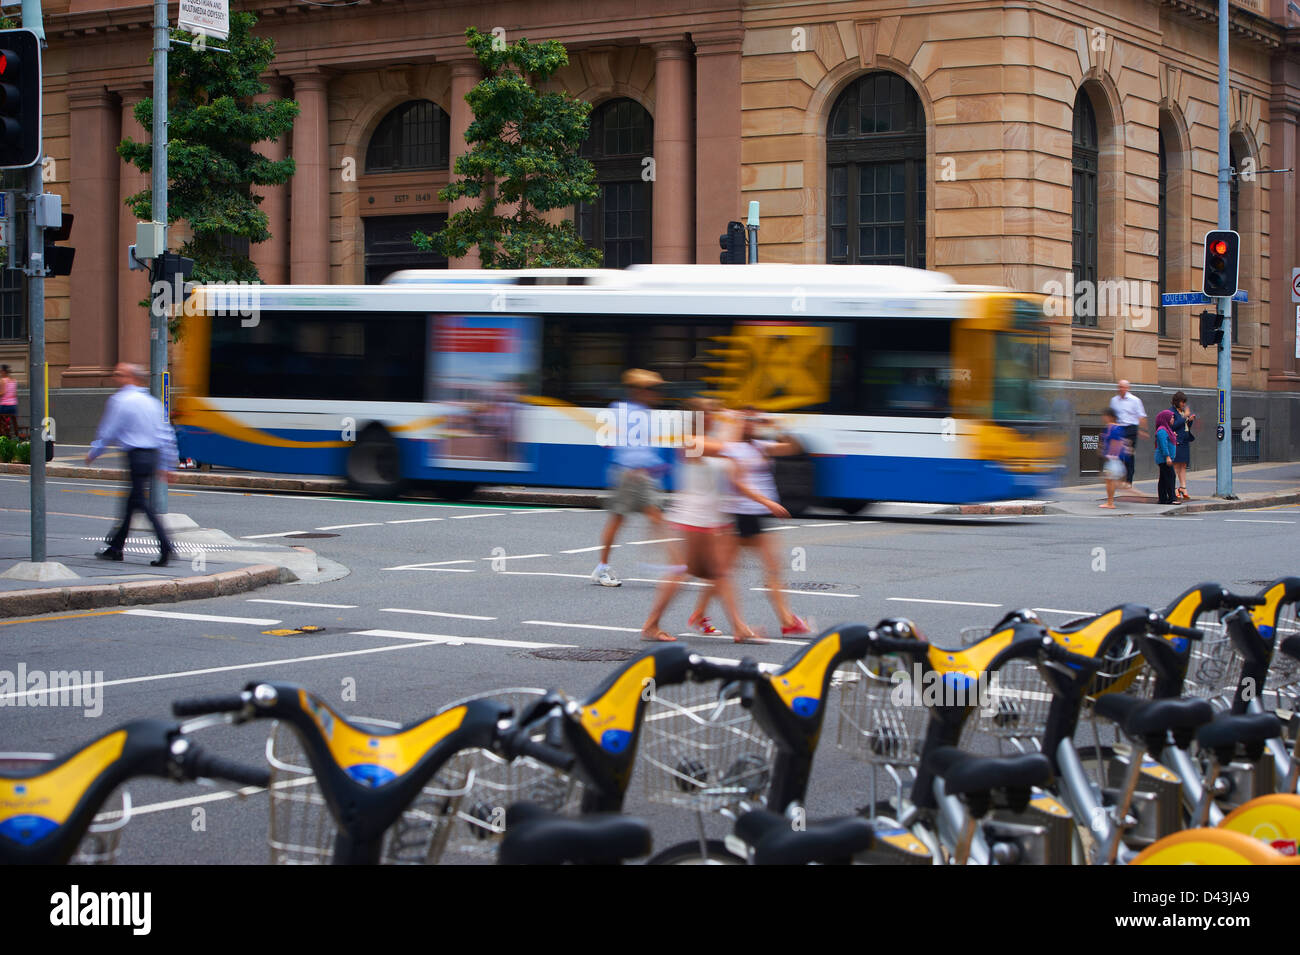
{"x":696,"y":511}
{"x":751,"y":458}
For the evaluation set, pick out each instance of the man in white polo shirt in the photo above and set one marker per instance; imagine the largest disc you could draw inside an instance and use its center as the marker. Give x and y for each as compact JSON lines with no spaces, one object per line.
{"x":1131,"y":415}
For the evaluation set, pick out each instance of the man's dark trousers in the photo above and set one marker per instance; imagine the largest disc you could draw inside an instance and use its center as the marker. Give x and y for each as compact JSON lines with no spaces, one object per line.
{"x":144,"y":465}
{"x":1131,"y":432}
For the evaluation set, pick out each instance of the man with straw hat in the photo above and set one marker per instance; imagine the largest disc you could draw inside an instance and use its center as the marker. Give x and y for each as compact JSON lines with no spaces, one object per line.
{"x":635,"y":467}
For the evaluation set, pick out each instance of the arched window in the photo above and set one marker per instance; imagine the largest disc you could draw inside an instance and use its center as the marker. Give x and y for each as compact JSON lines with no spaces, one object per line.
{"x":875,"y":158}
{"x":618,"y":222}
{"x":415,"y":135}
{"x":1084,"y":207}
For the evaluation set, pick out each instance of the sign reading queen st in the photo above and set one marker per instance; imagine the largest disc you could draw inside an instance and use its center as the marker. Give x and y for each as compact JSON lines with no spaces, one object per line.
{"x":205,"y":17}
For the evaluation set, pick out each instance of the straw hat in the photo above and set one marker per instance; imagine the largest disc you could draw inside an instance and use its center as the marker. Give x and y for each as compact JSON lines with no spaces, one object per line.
{"x":641,"y":378}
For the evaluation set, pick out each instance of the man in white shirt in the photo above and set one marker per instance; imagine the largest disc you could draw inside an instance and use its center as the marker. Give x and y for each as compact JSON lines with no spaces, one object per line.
{"x":1131,"y":415}
{"x":135,"y":422}
{"x":635,"y":467}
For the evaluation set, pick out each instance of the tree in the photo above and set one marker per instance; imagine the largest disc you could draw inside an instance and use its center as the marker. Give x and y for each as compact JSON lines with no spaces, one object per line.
{"x":213,"y":123}
{"x":524,"y":153}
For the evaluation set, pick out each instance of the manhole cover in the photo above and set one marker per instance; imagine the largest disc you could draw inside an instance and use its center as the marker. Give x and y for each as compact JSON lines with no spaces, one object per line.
{"x":307,"y":631}
{"x":813,"y":585}
{"x":1257,"y":583}
{"x":583,"y":655}
{"x":309,"y":536}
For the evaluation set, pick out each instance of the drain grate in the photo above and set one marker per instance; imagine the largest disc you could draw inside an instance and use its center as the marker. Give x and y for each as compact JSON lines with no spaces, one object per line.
{"x":813,"y":585}
{"x":584,"y":655}
{"x":309,"y":536}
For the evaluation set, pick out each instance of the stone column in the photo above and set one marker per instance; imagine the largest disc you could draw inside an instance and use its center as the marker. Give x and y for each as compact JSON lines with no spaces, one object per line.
{"x":674,"y":186}
{"x":310,"y":186}
{"x":1284,"y":200}
{"x":272,"y":256}
{"x":717,"y":139}
{"x":133,"y":287}
{"x":465,"y":75}
{"x":95,"y":124}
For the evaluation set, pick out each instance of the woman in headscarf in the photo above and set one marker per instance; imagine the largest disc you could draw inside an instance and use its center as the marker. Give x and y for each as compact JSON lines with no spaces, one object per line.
{"x":1166,"y":448}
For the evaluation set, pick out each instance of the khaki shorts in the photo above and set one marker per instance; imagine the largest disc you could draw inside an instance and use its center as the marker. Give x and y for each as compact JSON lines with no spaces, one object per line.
{"x":634,"y":492}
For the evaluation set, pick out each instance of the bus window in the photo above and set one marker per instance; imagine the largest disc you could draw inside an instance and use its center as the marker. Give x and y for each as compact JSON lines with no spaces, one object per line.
{"x":350,"y":356}
{"x":906,"y":368}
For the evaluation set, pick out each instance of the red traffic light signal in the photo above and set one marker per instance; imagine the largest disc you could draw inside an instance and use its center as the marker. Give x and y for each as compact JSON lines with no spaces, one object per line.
{"x":1222,"y":255}
{"x":20,"y":99}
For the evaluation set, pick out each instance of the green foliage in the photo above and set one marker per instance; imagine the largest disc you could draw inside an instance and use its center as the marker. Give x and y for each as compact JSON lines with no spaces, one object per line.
{"x":8,"y":448}
{"x":213,"y":123}
{"x":23,"y":453}
{"x":523,"y":149}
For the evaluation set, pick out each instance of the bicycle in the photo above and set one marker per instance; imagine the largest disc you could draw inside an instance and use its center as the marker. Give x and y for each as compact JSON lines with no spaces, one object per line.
{"x":48,"y":804}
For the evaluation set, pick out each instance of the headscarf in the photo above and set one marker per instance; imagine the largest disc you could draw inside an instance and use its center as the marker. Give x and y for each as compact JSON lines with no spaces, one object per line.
{"x":1165,"y":421}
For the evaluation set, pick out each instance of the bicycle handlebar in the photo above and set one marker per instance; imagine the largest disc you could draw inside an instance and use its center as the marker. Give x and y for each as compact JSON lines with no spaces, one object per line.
{"x":1053,"y":651}
{"x":1229,"y":599}
{"x":516,"y":742}
{"x":194,"y":762}
{"x":202,"y":705}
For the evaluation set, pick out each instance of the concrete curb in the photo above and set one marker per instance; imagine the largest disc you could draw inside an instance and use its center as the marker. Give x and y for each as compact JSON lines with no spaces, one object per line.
{"x":28,"y":603}
{"x":585,"y":499}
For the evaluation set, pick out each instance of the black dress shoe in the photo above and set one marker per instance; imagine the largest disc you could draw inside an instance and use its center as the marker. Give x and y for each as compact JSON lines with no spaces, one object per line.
{"x":163,"y":558}
{"x":109,"y":553}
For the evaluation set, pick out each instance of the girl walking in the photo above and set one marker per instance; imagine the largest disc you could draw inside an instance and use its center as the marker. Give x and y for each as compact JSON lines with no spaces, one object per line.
{"x":1166,"y":448}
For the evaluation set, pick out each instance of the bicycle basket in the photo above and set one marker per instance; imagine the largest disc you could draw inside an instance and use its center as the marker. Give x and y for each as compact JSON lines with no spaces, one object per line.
{"x":700,"y":752}
{"x":1123,"y":670}
{"x":100,"y":844}
{"x":1214,"y":669}
{"x":1014,"y":703}
{"x":873,"y":726}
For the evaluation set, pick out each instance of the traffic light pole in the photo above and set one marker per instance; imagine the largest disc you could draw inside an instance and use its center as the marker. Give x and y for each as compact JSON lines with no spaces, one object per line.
{"x":36,"y":362}
{"x":1223,"y":461}
{"x":158,"y":332}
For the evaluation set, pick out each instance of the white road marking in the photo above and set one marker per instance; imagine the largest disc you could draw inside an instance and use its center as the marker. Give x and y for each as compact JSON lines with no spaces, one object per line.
{"x":584,"y":550}
{"x":429,"y":566}
{"x":301,"y":603}
{"x":544,"y":573}
{"x":206,"y":670}
{"x":830,"y":524}
{"x":457,"y":641}
{"x":435,"y":613}
{"x":807,"y":593}
{"x":731,"y":637}
{"x":339,"y":527}
{"x":416,"y":520}
{"x":468,"y":517}
{"x":254,"y":537}
{"x":1246,"y":520}
{"x":1070,"y":613}
{"x":955,"y":603}
{"x":206,"y":617}
{"x":581,"y":626}
{"x":783,"y":527}
{"x":661,"y":540}
{"x":514,"y":556}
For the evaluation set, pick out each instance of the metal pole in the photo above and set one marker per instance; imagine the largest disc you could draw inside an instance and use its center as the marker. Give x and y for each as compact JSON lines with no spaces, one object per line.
{"x":158,"y":316}
{"x":36,"y":360}
{"x":753,"y":232}
{"x":35,"y":269}
{"x":1223,"y":461}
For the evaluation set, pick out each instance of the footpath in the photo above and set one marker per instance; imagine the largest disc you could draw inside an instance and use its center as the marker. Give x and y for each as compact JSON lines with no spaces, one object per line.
{"x":211,"y":563}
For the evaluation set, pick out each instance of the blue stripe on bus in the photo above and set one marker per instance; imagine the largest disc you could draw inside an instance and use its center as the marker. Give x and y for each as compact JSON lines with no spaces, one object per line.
{"x":851,"y":477}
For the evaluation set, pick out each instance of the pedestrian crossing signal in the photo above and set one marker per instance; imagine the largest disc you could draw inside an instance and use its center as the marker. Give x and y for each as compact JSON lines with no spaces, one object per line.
{"x":20,"y":99}
{"x":733,"y":244}
{"x":1222,"y":253}
{"x":1211,"y":334}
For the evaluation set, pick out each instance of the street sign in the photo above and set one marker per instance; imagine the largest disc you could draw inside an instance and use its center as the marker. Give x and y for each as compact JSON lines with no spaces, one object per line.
{"x":167,"y":396}
{"x":1295,"y":285}
{"x":1197,"y":298}
{"x":205,"y":17}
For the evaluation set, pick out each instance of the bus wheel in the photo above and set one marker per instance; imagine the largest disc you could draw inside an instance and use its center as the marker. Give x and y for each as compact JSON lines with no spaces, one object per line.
{"x":796,"y":482}
{"x":849,"y":506}
{"x":454,"y":490}
{"x":374,"y":463}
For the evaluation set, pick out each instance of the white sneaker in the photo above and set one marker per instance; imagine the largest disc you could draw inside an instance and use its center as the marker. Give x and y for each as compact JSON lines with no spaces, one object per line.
{"x":602,"y":576}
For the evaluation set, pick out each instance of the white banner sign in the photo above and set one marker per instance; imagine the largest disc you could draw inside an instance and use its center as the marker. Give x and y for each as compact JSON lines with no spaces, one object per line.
{"x":206,"y":17}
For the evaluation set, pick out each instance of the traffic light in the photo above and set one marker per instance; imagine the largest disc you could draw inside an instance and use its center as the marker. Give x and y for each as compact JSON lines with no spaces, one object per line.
{"x":20,"y":99}
{"x":733,"y":244}
{"x":1211,"y":334}
{"x":1222,"y":252}
{"x":58,"y":258}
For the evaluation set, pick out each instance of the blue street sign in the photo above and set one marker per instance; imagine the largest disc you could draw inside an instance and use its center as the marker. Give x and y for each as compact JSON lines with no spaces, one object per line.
{"x":1196,"y":298}
{"x":167,"y":396}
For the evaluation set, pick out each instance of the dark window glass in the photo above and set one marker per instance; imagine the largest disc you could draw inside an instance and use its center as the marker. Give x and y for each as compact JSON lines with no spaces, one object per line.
{"x":13,"y":317}
{"x":1084,"y":205}
{"x":618,"y":222}
{"x":906,"y":368}
{"x":1162,"y":227}
{"x":875,"y":154}
{"x":416,"y":135}
{"x":341,"y":356}
{"x":389,"y":247}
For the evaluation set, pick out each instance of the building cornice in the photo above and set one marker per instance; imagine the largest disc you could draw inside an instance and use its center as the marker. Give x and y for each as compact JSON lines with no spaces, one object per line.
{"x":1245,"y":24}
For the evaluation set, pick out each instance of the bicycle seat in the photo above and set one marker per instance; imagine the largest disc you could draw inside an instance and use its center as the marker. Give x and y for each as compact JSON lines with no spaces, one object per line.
{"x":1230,"y":730}
{"x":967,"y":775}
{"x":535,"y":836}
{"x":776,"y":842}
{"x":1291,"y":646}
{"x":1154,"y":718}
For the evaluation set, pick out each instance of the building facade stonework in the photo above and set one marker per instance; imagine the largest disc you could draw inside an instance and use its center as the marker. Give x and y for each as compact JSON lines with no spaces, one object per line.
{"x":1055,"y":147}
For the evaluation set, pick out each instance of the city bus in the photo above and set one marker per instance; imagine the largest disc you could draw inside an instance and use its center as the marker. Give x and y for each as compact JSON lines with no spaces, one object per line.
{"x":900,"y":384}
